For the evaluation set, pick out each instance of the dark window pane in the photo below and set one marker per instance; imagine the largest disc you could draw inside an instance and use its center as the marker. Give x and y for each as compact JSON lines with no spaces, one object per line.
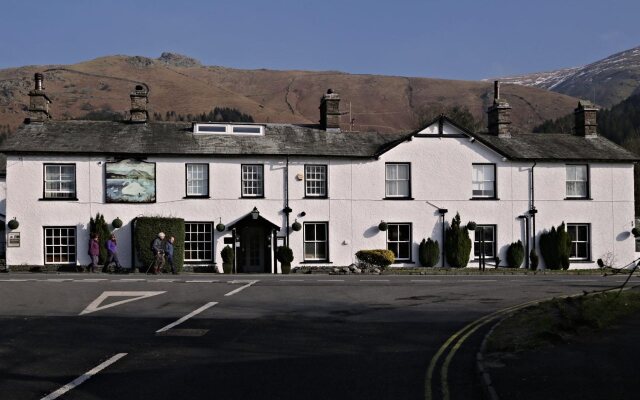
{"x":405,"y":232}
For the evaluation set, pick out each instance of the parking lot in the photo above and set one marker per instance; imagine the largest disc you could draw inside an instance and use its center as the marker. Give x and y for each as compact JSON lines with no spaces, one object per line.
{"x":80,"y":336}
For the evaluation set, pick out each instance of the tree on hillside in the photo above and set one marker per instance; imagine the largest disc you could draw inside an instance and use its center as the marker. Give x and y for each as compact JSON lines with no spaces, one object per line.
{"x":458,"y":114}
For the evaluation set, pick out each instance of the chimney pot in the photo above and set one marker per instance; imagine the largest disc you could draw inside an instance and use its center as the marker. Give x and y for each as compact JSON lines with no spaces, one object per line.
{"x":496,"y":90}
{"x":499,"y":114}
{"x":330,"y":111}
{"x":139,"y":100}
{"x":38,"y":102}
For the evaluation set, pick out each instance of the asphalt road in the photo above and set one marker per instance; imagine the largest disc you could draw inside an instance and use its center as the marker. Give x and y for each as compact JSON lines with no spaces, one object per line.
{"x":280,"y":337}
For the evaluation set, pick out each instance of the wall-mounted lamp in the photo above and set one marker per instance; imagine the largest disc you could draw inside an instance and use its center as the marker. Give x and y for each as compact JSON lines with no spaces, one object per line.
{"x":255,"y":213}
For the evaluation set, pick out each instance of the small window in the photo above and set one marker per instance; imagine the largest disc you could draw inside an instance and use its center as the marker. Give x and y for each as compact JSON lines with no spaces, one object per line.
{"x":198,"y":241}
{"x":316,"y":245}
{"x":484,"y":181}
{"x":399,"y":240}
{"x":59,"y":181}
{"x":577,"y":181}
{"x":197,"y":179}
{"x":398,"y":180}
{"x":580,"y":244}
{"x":60,"y":245}
{"x":486,"y":234}
{"x":208,"y":128}
{"x":253,"y":180}
{"x":315,"y":180}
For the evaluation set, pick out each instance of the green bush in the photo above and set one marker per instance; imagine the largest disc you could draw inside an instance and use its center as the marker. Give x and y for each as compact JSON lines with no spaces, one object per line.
{"x":457,"y":244}
{"x":555,"y":246}
{"x":145,"y":229}
{"x":515,"y":254}
{"x":227,"y":259}
{"x":429,"y":253}
{"x":381,"y":258}
{"x":534,"y":260}
{"x":285,"y":256}
{"x":100,"y":227}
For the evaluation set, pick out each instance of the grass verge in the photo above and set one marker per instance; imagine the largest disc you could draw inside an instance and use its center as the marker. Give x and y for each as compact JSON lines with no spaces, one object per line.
{"x":559,"y":320}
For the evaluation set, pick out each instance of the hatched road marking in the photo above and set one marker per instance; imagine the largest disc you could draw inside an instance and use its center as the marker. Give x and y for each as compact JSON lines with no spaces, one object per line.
{"x":95,"y":305}
{"x":186,"y":317}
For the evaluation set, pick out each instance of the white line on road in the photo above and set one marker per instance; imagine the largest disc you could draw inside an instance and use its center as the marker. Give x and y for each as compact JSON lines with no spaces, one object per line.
{"x":203,"y":281}
{"x":291,"y":280}
{"x":374,"y":280}
{"x":95,"y":305}
{"x":13,"y":280}
{"x":130,"y":280}
{"x":330,"y":280}
{"x":231,"y":293}
{"x":186,"y":317}
{"x":59,"y":280}
{"x":425,"y":280}
{"x":162,"y":280}
{"x":92,"y":280}
{"x":79,"y":380}
{"x":476,"y":280}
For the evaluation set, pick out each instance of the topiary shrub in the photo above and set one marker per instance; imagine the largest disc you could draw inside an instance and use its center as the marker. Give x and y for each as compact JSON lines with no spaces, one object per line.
{"x":534,"y":260}
{"x":116,"y":223}
{"x":515,"y":254}
{"x":555,"y":246}
{"x":145,"y":229}
{"x":227,"y":259}
{"x":285,"y":256}
{"x":99,"y":226}
{"x":457,"y":244}
{"x":429,"y":253}
{"x":635,"y":232}
{"x":380,"y":258}
{"x":383,"y":226}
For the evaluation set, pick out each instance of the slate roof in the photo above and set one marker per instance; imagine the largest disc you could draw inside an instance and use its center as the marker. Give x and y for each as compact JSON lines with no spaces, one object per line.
{"x":175,"y":138}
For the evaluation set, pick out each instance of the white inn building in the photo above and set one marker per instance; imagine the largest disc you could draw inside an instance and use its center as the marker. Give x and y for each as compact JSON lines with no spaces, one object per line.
{"x":261,"y":180}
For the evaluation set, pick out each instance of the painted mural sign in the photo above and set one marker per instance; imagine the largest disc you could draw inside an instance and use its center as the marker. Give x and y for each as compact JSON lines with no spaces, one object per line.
{"x":130,"y":181}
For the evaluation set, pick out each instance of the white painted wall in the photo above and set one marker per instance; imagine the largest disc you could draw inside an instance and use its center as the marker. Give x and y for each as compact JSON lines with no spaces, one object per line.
{"x":441,"y":170}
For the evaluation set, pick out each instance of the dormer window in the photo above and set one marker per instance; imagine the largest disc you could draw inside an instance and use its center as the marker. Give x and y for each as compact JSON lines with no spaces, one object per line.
{"x":228,"y":129}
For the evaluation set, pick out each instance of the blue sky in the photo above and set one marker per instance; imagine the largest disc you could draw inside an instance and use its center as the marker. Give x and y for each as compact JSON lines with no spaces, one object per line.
{"x":455,"y":39}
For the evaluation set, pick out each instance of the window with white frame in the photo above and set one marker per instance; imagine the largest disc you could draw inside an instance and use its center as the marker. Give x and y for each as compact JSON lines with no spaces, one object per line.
{"x":580,"y":241}
{"x":398,"y":180}
{"x":59,"y":181}
{"x":399,"y":240}
{"x":198,"y":241}
{"x":484,"y":181}
{"x":197,"y":179}
{"x":60,"y":245}
{"x":486,"y":234}
{"x":315,"y":180}
{"x":577,"y":181}
{"x":316,"y":244}
{"x":253,"y":180}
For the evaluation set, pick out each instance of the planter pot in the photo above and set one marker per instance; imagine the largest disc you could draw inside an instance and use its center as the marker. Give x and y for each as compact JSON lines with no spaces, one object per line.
{"x":471,"y":226}
{"x":286,"y":268}
{"x":13,"y":224}
{"x":117,"y":223}
{"x":220,"y":227}
{"x":382,"y":226}
{"x":296,"y":226}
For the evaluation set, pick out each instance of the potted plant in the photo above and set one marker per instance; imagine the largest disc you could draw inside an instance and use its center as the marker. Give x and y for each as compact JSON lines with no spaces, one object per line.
{"x":227,"y":259}
{"x":382,"y":226}
{"x":116,"y":223}
{"x":285,"y":256}
{"x":296,"y":226}
{"x":13,"y":224}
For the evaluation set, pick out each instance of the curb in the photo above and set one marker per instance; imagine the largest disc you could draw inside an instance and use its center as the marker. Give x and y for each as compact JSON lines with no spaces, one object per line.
{"x":488,"y":390}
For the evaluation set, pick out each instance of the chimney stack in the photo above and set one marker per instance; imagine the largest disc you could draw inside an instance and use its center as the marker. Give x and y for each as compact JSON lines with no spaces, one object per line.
{"x":499,"y":114}
{"x":38,"y":102}
{"x":330,"y":111}
{"x":139,"y":100}
{"x":586,"y":119}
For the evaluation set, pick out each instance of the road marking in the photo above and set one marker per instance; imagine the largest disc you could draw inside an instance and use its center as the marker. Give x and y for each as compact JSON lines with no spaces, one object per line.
{"x":79,"y":380}
{"x":92,"y":280}
{"x":425,"y":280}
{"x":374,"y":280}
{"x":163,"y":280}
{"x":13,"y":280}
{"x":291,"y":280}
{"x":231,"y":293}
{"x":203,"y":281}
{"x":186,"y":317}
{"x":130,"y":280}
{"x":330,"y":280}
{"x":477,"y":280}
{"x":59,"y":280}
{"x":95,"y":305}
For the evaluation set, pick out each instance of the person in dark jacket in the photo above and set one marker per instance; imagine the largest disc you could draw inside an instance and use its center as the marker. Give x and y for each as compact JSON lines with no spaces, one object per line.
{"x":112,"y":252}
{"x":168,"y":248}
{"x":94,"y":252}
{"x":158,"y":253}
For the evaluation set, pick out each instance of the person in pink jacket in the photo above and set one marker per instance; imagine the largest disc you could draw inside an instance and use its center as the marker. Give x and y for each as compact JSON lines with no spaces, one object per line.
{"x":94,"y":252}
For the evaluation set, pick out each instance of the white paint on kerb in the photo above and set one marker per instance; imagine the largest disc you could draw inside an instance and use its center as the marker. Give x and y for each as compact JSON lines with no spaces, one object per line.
{"x":95,"y":305}
{"x":186,"y":317}
{"x":231,"y":293}
{"x":79,"y":380}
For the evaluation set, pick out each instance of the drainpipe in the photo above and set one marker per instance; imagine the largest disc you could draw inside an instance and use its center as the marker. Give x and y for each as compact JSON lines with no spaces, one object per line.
{"x":287,"y":210}
{"x":532,"y":210}
{"x":442,"y":212}
{"x":526,"y":238}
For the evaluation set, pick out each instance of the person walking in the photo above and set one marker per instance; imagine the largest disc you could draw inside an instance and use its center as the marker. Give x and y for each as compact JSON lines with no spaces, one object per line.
{"x":94,"y":252}
{"x":157,"y":247}
{"x":112,"y":252}
{"x":169,"y":251}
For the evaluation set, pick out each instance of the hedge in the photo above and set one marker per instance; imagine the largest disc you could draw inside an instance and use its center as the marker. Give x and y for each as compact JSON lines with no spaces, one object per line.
{"x":145,"y":229}
{"x":381,"y":258}
{"x":515,"y":254}
{"x":555,"y":246}
{"x":457,"y":244}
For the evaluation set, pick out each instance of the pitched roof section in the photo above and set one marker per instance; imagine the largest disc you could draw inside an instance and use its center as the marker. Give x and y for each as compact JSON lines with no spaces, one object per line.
{"x":169,"y":138}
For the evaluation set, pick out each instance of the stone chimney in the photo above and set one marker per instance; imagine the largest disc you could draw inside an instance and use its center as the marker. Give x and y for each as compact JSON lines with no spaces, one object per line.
{"x":139,"y":100}
{"x":38,"y":102}
{"x":330,"y":111}
{"x":585,"y":117}
{"x":499,"y":114}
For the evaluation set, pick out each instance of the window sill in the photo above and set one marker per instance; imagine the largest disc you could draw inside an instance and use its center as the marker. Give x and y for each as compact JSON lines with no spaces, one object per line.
{"x":578,"y":198}
{"x":579,"y":261}
{"x":316,"y":197}
{"x":205,"y":196}
{"x":397,"y":198}
{"x":251,"y":197}
{"x":485,"y":198}
{"x":316,"y":262}
{"x":59,"y":199}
